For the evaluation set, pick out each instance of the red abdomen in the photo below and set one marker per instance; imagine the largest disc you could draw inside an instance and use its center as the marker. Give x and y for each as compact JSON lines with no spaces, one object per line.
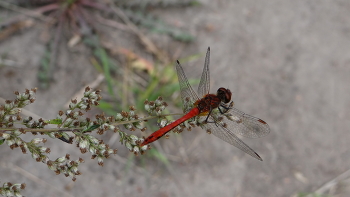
{"x":158,"y":134}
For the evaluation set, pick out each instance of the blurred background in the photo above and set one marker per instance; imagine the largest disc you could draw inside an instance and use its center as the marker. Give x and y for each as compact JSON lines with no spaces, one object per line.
{"x":286,"y":62}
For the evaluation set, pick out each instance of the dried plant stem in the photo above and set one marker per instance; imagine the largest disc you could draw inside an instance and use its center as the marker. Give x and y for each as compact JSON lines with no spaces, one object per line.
{"x":332,"y":183}
{"x":149,"y":45}
{"x":35,"y":14}
{"x":39,"y":130}
{"x":77,"y":129}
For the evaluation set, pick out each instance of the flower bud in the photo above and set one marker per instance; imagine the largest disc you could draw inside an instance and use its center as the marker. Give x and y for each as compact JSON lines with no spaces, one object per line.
{"x":35,"y":155}
{"x":10,"y":142}
{"x":111,"y":127}
{"x":93,"y":139}
{"x":144,"y":148}
{"x":128,"y":145}
{"x":6,"y":136}
{"x":134,"y":138}
{"x":83,"y":144}
{"x":163,"y":122}
{"x":118,"y":117}
{"x":61,"y":159}
{"x":37,"y":140}
{"x":102,"y":146}
{"x":136,"y":149}
{"x":92,"y":150}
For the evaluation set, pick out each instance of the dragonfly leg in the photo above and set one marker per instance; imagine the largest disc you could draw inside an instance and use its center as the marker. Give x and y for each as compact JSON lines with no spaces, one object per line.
{"x":226,"y":108}
{"x":206,"y":120}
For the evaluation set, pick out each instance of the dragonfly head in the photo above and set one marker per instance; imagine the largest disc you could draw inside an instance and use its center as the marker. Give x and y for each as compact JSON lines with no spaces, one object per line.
{"x":224,"y":94}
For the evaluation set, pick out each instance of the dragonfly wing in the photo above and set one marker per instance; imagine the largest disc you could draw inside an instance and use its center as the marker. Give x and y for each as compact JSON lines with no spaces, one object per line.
{"x":245,"y":125}
{"x":223,"y":133}
{"x":204,"y":84}
{"x":188,"y":96}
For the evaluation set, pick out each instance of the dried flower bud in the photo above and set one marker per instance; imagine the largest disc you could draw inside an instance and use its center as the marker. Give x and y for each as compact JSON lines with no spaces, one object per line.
{"x":158,"y":102}
{"x":100,"y":161}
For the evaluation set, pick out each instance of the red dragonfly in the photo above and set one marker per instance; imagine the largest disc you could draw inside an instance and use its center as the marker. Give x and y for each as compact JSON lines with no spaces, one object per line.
{"x":214,"y":113}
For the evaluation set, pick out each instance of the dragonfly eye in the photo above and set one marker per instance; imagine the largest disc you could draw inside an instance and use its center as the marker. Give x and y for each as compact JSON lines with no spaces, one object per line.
{"x":224,"y":94}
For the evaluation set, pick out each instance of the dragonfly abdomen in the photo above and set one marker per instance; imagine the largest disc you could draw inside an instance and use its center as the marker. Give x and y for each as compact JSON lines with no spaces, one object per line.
{"x":162,"y":131}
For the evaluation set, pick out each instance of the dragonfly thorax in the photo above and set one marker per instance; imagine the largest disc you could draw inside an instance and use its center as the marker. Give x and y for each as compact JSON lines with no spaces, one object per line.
{"x":212,"y":101}
{"x":208,"y":102}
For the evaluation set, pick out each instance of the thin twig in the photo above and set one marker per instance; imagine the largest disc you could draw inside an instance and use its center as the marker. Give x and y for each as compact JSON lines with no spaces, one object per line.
{"x":30,"y":130}
{"x":150,"y":46}
{"x":55,"y":45}
{"x":112,"y":23}
{"x":126,"y":88}
{"x":72,"y":129}
{"x":34,"y":14}
{"x":15,"y":27}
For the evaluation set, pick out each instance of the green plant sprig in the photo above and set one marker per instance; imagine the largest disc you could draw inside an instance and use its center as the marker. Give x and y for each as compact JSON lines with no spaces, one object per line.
{"x":73,"y":120}
{"x":10,"y":189}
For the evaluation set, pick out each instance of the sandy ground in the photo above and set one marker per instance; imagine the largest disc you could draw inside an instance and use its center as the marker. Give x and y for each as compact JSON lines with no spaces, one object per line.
{"x":286,"y":62}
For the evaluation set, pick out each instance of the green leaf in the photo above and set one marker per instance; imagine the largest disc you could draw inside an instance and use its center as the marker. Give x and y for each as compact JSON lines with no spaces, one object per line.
{"x":93,"y":127}
{"x":2,"y":141}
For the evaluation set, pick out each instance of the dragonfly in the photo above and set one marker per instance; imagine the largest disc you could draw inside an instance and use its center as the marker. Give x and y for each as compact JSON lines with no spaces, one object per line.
{"x":214,"y":113}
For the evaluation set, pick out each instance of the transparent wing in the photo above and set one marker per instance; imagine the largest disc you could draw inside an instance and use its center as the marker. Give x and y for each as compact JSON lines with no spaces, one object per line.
{"x":204,"y":84}
{"x":243,"y":124}
{"x":188,"y":96}
{"x":223,"y":133}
